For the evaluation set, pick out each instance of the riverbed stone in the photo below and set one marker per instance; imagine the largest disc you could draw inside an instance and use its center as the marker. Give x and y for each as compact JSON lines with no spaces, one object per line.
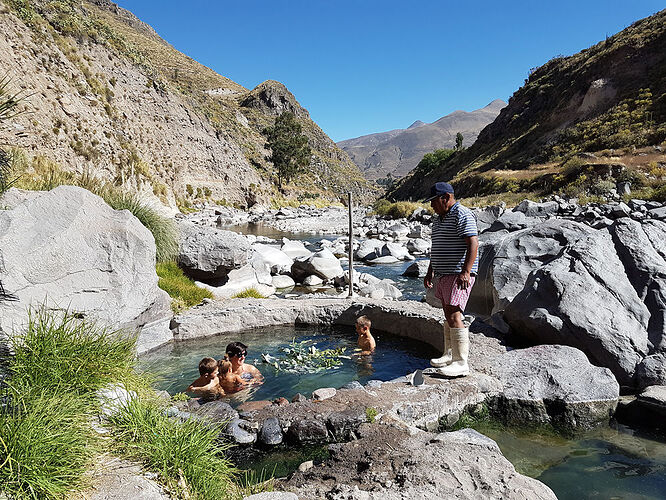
{"x":307,"y":430}
{"x":294,"y":249}
{"x":217,"y":410}
{"x":654,"y":398}
{"x":417,"y":269}
{"x":278,"y":261}
{"x":271,"y":432}
{"x":283,"y":281}
{"x":312,"y":280}
{"x":418,"y":246}
{"x":323,"y":264}
{"x":396,"y":250}
{"x":533,"y":209}
{"x":207,"y":252}
{"x":556,"y":385}
{"x":386,"y":259}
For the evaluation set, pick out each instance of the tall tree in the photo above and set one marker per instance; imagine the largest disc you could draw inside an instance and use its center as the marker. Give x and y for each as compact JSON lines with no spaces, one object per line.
{"x":459,"y":141}
{"x":290,"y":152}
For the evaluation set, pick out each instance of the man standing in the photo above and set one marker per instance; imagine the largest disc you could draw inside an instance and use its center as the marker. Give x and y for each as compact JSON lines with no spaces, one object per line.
{"x":451,"y":273}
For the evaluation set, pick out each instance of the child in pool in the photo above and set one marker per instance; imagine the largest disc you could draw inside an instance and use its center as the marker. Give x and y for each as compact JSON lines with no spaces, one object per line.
{"x":208,"y":384}
{"x":366,"y":342}
{"x":229,"y":381}
{"x":236,"y":352}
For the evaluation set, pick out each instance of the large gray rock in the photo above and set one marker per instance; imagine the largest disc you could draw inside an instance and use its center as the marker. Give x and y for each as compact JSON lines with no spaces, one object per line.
{"x":395,"y":250}
{"x":294,"y":249}
{"x":583,"y":298}
{"x":646,"y":269}
{"x":323,"y":264}
{"x":417,"y":269}
{"x":422,"y":466}
{"x":556,"y":385}
{"x":534,"y":209}
{"x":68,"y":247}
{"x":418,"y":245}
{"x":369,"y":249}
{"x":207,"y":253}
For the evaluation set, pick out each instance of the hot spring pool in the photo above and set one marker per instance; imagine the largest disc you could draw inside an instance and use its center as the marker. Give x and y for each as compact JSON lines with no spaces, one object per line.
{"x":175,"y":365}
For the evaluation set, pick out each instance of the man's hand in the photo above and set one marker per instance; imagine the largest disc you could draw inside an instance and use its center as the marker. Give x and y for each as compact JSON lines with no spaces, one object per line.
{"x":427,"y":281}
{"x":464,"y":279}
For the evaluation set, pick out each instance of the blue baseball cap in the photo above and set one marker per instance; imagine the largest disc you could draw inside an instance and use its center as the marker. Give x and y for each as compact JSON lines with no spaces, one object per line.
{"x":439,"y":189}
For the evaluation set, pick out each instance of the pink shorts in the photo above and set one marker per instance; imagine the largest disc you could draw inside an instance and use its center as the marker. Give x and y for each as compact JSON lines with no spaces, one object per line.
{"x":450,"y":293}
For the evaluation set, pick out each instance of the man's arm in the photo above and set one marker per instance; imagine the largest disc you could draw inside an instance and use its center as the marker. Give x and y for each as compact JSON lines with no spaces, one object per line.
{"x":472,"y":243}
{"x":427,"y":281}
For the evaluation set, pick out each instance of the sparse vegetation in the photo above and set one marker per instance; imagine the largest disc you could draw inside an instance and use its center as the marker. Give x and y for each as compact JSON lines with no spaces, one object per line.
{"x":182,"y":289}
{"x":249,"y":293}
{"x":398,"y":209}
{"x":370,"y":414}
{"x":290,"y":152}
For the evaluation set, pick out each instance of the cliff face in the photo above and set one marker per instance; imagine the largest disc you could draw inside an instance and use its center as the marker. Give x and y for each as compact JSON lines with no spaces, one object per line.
{"x":109,"y":97}
{"x":399,"y":151}
{"x":612,"y":95}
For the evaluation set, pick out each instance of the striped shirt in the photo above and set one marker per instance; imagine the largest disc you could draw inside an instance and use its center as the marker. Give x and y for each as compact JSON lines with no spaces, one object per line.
{"x":449,"y":246}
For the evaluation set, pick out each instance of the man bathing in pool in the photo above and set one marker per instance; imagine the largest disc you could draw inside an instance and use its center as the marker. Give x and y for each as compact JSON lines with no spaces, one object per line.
{"x":236,"y":352}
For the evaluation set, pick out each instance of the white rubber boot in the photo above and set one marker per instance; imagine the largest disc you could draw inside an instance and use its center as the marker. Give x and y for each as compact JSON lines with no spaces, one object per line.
{"x":446,"y":357}
{"x":460,"y":347}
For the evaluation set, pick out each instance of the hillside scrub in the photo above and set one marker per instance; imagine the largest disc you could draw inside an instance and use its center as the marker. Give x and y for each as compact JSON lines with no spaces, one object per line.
{"x":41,"y":174}
{"x":180,"y":288}
{"x":47,"y":442}
{"x":399,"y":209}
{"x":248,"y":293}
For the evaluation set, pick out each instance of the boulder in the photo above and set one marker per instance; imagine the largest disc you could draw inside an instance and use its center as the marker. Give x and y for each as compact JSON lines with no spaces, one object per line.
{"x":396,"y":250}
{"x":308,"y":430}
{"x":68,"y":249}
{"x":368,"y":247}
{"x":312,"y":280}
{"x":417,"y":269}
{"x":533,"y":209}
{"x":556,"y":385}
{"x":461,"y":464}
{"x":278,"y":261}
{"x":387,"y":259}
{"x":323,"y":393}
{"x":207,"y":253}
{"x":582,"y":297}
{"x":323,"y":264}
{"x":343,"y":426}
{"x":418,"y":245}
{"x":486,"y":216}
{"x":654,"y":398}
{"x":283,"y":281}
{"x":512,"y":221}
{"x":294,"y":249}
{"x":237,"y":433}
{"x":398,"y":231}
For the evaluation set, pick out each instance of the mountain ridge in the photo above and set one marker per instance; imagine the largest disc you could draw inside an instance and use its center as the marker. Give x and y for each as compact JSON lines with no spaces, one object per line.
{"x":398,"y":151}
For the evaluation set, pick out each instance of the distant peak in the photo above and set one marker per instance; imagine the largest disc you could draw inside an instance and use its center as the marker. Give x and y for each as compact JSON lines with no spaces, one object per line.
{"x":417,"y":123}
{"x":496,"y":104}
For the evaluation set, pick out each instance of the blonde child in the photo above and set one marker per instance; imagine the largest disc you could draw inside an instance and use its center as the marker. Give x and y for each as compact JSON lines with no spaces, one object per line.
{"x":229,"y":381}
{"x":366,"y":341}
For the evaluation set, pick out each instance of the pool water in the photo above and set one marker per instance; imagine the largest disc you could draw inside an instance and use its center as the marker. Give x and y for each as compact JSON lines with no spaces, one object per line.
{"x":608,"y":463}
{"x":175,"y":365}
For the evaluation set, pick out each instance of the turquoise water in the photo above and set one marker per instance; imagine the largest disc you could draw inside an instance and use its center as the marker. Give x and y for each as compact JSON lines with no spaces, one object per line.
{"x":608,"y":463}
{"x":175,"y":365}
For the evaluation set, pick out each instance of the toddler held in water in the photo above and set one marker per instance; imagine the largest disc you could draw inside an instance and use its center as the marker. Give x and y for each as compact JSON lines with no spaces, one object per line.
{"x":208,"y":384}
{"x":229,"y":381}
{"x":366,"y":341}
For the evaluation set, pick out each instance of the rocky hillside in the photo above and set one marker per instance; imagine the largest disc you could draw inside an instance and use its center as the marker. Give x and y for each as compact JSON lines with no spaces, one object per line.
{"x":399,"y":151}
{"x":599,"y":104}
{"x":110,"y":98}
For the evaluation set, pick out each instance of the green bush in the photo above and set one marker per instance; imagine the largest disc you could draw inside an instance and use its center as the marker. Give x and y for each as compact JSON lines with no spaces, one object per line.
{"x":248,"y":293}
{"x":188,"y":451}
{"x":46,"y":444}
{"x":182,"y":289}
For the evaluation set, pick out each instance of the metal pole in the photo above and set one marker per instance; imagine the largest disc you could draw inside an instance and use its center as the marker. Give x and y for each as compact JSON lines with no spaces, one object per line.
{"x":351,"y":247}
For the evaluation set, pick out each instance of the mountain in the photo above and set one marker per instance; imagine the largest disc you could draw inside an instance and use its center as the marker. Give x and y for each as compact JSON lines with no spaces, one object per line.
{"x":108,"y":97}
{"x":398,"y":151}
{"x":573,"y":119}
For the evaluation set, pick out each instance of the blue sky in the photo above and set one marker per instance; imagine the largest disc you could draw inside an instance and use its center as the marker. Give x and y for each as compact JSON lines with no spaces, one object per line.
{"x":368,"y":66}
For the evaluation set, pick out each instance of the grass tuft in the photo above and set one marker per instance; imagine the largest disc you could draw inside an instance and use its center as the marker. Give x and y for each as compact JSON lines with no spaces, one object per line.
{"x":45,"y":444}
{"x":249,"y":293}
{"x":188,"y":455}
{"x":61,"y":353}
{"x":164,"y":230}
{"x":181,"y":288}
{"x":398,"y":209}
